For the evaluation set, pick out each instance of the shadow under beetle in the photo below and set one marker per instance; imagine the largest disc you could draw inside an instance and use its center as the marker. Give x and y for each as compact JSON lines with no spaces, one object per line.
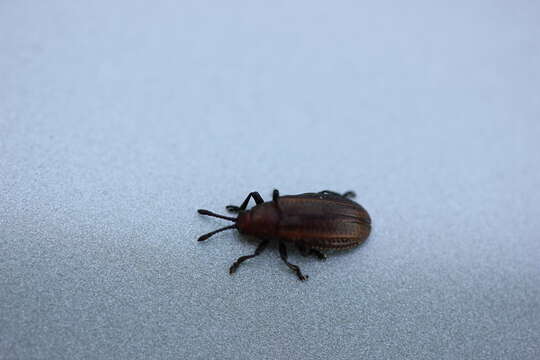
{"x":314,"y":222}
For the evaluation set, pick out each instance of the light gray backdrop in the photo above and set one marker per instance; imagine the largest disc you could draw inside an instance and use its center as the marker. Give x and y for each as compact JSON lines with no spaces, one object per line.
{"x":119,"y":119}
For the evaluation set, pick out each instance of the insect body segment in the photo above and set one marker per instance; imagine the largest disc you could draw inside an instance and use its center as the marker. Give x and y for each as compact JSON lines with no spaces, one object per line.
{"x":312,"y":221}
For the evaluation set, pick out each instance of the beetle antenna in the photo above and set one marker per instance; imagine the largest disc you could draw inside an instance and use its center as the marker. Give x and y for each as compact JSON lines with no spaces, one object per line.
{"x":209,"y":213}
{"x":206,"y":236}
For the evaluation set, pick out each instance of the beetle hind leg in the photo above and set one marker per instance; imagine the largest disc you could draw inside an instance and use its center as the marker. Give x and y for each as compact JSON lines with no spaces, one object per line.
{"x":295,"y":268}
{"x":317,"y":253}
{"x":348,"y":194}
{"x":307,"y":252}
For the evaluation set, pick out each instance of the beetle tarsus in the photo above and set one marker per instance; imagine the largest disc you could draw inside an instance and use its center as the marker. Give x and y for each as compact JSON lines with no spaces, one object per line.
{"x":301,"y":276}
{"x":233,"y":208}
{"x":349,"y":194}
{"x":305,"y":252}
{"x":295,"y":268}
{"x":318,"y":254}
{"x":254,"y":194}
{"x":241,"y":259}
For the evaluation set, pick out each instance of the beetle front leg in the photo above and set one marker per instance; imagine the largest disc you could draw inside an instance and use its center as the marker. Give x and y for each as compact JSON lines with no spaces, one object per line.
{"x":241,"y":259}
{"x":295,"y":268}
{"x":255,"y":195}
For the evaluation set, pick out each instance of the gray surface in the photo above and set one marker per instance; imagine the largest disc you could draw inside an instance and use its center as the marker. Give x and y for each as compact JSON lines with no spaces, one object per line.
{"x":118,"y":121}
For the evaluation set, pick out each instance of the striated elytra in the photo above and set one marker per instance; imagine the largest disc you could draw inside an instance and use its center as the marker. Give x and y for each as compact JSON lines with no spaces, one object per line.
{"x":314,"y":222}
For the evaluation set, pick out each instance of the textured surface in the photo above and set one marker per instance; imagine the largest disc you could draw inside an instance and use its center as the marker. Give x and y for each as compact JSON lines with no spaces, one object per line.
{"x":118,"y":121}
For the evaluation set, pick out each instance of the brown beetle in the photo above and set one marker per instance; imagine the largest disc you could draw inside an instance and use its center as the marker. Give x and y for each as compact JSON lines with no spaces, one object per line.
{"x":312,"y":221}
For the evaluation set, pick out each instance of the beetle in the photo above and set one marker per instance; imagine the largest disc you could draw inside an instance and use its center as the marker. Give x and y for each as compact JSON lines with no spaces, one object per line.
{"x":314,"y":222}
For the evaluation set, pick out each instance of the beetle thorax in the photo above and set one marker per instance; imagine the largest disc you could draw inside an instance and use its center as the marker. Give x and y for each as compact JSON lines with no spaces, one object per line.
{"x":262,"y":220}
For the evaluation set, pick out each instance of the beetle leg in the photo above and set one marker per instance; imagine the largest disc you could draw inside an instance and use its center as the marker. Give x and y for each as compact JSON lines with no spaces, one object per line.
{"x":348,"y":194}
{"x":295,"y":268}
{"x":241,"y":259}
{"x":275,"y":198}
{"x":306,"y":252}
{"x":275,"y":195}
{"x":255,"y":195}
{"x":233,"y":208}
{"x":302,"y":249}
{"x":317,"y":253}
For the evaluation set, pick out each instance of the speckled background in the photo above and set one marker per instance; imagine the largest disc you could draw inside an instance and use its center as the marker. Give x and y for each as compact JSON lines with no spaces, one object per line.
{"x":119,"y":119}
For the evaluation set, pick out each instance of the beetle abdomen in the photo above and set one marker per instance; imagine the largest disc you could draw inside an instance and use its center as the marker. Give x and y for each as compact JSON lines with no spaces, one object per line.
{"x":323,"y":221}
